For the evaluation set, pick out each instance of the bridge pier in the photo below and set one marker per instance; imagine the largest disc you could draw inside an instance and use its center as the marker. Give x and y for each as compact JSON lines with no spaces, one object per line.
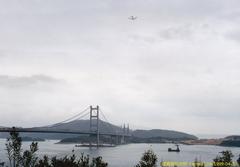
{"x":123,"y":135}
{"x":94,"y":123}
{"x":116,"y":140}
{"x":111,"y":140}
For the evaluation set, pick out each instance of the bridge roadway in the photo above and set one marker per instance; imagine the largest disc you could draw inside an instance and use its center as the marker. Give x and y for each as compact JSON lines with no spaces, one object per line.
{"x":35,"y":130}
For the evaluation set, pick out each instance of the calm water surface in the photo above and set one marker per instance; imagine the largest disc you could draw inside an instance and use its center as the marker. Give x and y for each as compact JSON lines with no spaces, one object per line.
{"x":128,"y":155}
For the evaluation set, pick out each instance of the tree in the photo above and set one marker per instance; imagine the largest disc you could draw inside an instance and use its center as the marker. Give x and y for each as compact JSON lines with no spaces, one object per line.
{"x":43,"y":162}
{"x":98,"y":162}
{"x":71,"y":161}
{"x":29,"y":158}
{"x":198,"y":163}
{"x":225,"y":160}
{"x":84,"y":160}
{"x":238,"y":160}
{"x":65,"y":162}
{"x":149,"y":159}
{"x":13,"y":147}
{"x":14,"y":151}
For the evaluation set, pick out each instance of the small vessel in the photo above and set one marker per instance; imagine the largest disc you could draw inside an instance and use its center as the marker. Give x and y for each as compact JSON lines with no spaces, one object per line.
{"x":174,"y":150}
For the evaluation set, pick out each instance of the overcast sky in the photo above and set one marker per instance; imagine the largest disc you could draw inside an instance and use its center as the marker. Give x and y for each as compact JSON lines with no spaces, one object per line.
{"x":177,"y":66}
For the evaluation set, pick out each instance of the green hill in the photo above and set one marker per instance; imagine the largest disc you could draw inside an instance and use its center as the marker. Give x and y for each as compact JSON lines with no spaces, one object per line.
{"x":231,"y":141}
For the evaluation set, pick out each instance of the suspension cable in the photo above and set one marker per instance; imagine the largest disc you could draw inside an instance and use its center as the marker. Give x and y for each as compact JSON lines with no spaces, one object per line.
{"x":69,"y":119}
{"x":107,"y":122}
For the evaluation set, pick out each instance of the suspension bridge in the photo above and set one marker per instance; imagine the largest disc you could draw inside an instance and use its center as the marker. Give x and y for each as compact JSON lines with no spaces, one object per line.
{"x":95,"y":115}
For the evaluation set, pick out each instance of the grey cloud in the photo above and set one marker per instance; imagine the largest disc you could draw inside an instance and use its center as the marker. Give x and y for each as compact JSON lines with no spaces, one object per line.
{"x":223,"y":107}
{"x":178,"y":32}
{"x":26,"y":81}
{"x":233,"y":35}
{"x":183,"y":31}
{"x":142,"y":38}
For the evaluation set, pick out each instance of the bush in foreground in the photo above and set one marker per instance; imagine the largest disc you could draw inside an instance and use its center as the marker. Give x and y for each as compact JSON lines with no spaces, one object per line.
{"x":19,"y":158}
{"x":225,"y":160}
{"x":149,"y":159}
{"x":238,"y":160}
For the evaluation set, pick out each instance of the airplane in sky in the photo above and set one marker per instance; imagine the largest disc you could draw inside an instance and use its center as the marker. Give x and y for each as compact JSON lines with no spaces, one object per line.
{"x":132,"y":18}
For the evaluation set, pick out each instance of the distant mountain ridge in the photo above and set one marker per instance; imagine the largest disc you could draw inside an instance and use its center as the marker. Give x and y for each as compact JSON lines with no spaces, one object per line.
{"x":104,"y":127}
{"x":231,"y":141}
{"x":167,"y":134}
{"x":233,"y":137}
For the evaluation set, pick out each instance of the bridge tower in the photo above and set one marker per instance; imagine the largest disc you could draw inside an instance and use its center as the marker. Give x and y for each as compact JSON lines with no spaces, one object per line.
{"x":94,"y":122}
{"x":123,"y":134}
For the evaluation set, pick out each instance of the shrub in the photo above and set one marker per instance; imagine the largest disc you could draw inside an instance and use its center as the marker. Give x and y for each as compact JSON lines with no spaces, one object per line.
{"x":149,"y":159}
{"x":19,"y":158}
{"x":225,"y":160}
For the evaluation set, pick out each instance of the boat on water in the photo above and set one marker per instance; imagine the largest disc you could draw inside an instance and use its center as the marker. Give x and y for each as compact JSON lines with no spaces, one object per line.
{"x":174,"y":150}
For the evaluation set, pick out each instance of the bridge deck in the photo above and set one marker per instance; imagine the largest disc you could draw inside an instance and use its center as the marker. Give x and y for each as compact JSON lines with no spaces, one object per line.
{"x":34,"y":130}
